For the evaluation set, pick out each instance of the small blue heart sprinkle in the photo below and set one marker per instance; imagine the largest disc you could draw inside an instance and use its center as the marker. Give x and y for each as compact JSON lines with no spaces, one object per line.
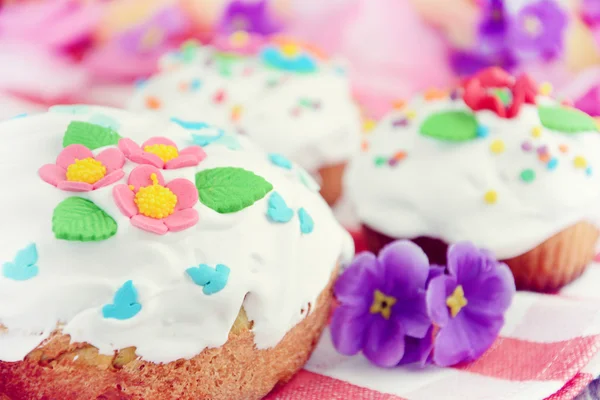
{"x":192,"y":125}
{"x":278,"y":210}
{"x":140,"y":83}
{"x":230,"y":141}
{"x":124,"y":304}
{"x":105,"y":121}
{"x":588,"y":171}
{"x":280,"y":161}
{"x":212,"y":280}
{"x":195,"y":84}
{"x":68,"y":109}
{"x":306,"y":222}
{"x":205,"y":140}
{"x":24,"y":265}
{"x":552,"y":164}
{"x":22,"y":115}
{"x":483,"y":131}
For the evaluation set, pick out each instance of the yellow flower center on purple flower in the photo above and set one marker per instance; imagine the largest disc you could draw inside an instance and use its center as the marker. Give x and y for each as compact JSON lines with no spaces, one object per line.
{"x":239,"y":39}
{"x":88,"y":170}
{"x":155,"y":201}
{"x":456,"y":301}
{"x":164,"y":151}
{"x":382,"y":304}
{"x":532,"y":25}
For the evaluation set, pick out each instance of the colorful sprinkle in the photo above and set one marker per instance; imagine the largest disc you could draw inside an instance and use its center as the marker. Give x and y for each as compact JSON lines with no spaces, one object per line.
{"x":546,"y":89}
{"x":236,"y":112}
{"x":399,"y":155}
{"x":152,"y":103}
{"x":483,"y":131}
{"x":435,"y":94}
{"x":192,"y":125}
{"x":544,"y":157}
{"x":454,"y":94}
{"x":280,"y":161}
{"x":411,"y":114}
{"x":306,"y":222}
{"x":563,"y":148}
{"x":212,"y":280}
{"x":195,"y":84}
{"x":219,"y":97}
{"x":497,"y":146}
{"x":542,"y":150}
{"x":399,"y":104}
{"x":527,"y":175}
{"x":400,"y":122}
{"x":526,"y":146}
{"x":369,"y":125}
{"x":392,"y":162}
{"x":24,"y":266}
{"x":552,"y":164}
{"x":380,"y":160}
{"x":140,"y":83}
{"x":588,"y":171}
{"x":490,"y":197}
{"x":536,"y":132}
{"x":364,"y":145}
{"x":580,"y":162}
{"x":125,"y":303}
{"x":278,"y":210}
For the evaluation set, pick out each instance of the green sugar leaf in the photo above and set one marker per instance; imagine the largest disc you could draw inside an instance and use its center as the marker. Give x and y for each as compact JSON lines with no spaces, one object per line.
{"x":78,"y":219}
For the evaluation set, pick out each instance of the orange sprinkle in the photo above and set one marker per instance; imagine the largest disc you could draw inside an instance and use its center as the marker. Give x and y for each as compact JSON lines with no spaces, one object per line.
{"x":183,"y":86}
{"x":364,"y":145}
{"x":399,"y":104}
{"x":400,"y":155}
{"x":236,"y":113}
{"x":152,"y":102}
{"x":563,"y":148}
{"x":544,"y":157}
{"x":435,"y":94}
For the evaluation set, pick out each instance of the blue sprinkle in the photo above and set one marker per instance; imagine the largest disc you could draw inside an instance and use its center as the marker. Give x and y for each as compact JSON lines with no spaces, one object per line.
{"x":280,"y":161}
{"x":22,"y":115}
{"x":205,"y":140}
{"x":24,"y":265}
{"x":301,"y":63}
{"x":482,"y":131}
{"x":552,"y":164}
{"x":306,"y":222}
{"x":192,"y":125}
{"x":195,"y":84}
{"x":230,"y":141}
{"x":588,"y":171}
{"x":212,"y":280}
{"x":124,"y":304}
{"x":140,"y":83}
{"x":278,"y":210}
{"x":308,"y":180}
{"x":71,"y":109}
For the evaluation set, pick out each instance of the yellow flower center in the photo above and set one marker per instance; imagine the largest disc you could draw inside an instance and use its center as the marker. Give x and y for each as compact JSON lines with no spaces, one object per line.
{"x":152,"y":38}
{"x":456,"y":301}
{"x":382,"y":304}
{"x":239,"y":38}
{"x":164,"y":151}
{"x":290,"y":50}
{"x":155,"y":201}
{"x":533,"y":25}
{"x":87,"y":170}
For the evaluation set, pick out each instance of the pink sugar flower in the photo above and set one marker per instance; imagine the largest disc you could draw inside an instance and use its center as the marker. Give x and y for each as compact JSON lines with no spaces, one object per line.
{"x":78,"y":170}
{"x":161,"y":153}
{"x":154,"y":206}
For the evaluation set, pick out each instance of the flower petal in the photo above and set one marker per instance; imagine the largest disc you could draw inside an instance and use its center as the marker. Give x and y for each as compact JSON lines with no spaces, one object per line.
{"x":196,"y":151}
{"x":147,"y":158}
{"x":52,"y":174}
{"x":465,"y":338}
{"x":124,"y":199}
{"x":112,"y":158}
{"x":129,"y":147}
{"x":75,"y":186}
{"x":493,"y":292}
{"x":149,"y":224}
{"x":72,"y":152}
{"x":110,"y":179}
{"x":186,"y":160}
{"x":465,"y":261}
{"x":384,"y":344}
{"x":438,"y":291}
{"x":181,"y":220}
{"x":186,"y":192}
{"x":348,"y":326}
{"x":418,"y":350}
{"x":140,"y":176}
{"x":412,"y":313}
{"x":356,"y":284}
{"x":158,"y":140}
{"x":406,"y":268}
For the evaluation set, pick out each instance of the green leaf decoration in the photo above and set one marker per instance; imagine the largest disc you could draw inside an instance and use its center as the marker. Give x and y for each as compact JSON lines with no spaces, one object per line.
{"x":452,"y":126}
{"x":228,"y":190}
{"x":91,"y":136}
{"x":78,"y":219}
{"x":566,"y":120}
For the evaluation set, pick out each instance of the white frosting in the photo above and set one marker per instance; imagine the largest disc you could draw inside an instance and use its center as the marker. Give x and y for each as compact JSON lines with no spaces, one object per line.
{"x":438,"y":189}
{"x":314,"y":138}
{"x":275,"y":270}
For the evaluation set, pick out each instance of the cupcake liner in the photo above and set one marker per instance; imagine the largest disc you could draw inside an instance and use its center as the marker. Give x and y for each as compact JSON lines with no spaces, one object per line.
{"x":331,"y":182}
{"x":552,"y":264}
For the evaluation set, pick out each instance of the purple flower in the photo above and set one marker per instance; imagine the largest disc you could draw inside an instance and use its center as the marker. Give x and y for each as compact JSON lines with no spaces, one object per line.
{"x":382,"y":306}
{"x":468,"y":304}
{"x":249,"y":16}
{"x":590,"y":11}
{"x":590,"y":102}
{"x":469,"y":63}
{"x":537,"y":30}
{"x":493,"y":25}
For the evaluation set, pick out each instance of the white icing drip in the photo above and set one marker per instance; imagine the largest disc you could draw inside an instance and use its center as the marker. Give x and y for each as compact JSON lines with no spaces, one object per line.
{"x":279,"y":269}
{"x":314,"y":138}
{"x":438,"y":189}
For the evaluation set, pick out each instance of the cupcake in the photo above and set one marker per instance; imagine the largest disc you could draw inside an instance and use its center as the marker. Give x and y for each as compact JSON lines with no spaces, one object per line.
{"x":286,"y":96}
{"x":136,"y":264}
{"x":496,"y":162}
